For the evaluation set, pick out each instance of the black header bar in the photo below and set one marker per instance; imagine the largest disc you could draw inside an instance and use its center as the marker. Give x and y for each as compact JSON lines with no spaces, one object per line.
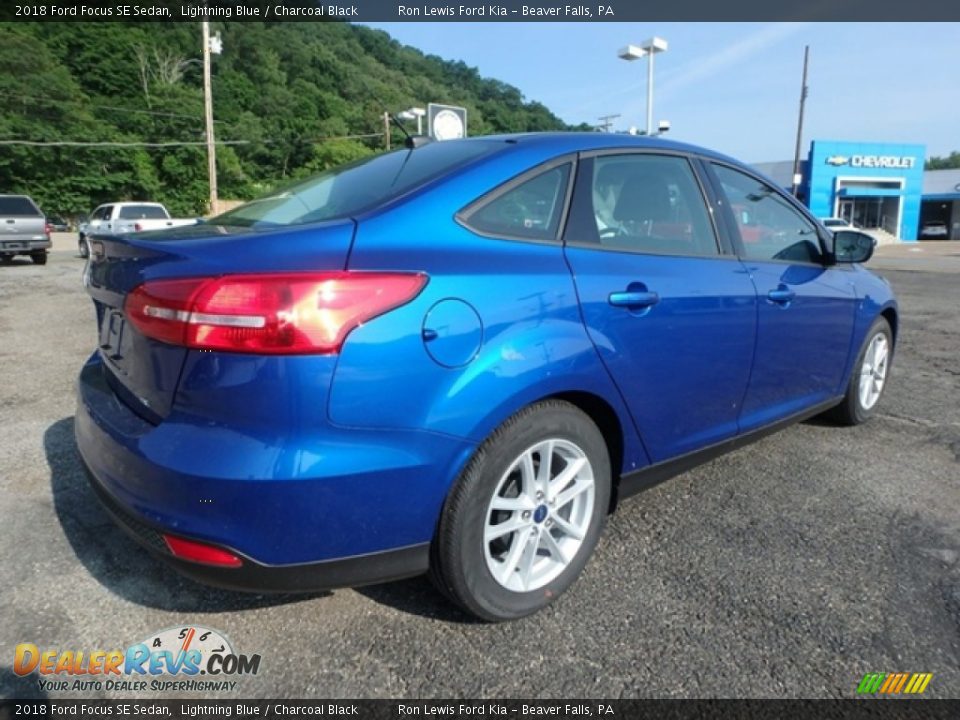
{"x":473,"y":11}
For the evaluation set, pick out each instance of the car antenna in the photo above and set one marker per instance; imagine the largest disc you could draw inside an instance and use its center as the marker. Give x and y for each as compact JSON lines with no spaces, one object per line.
{"x":410,"y":141}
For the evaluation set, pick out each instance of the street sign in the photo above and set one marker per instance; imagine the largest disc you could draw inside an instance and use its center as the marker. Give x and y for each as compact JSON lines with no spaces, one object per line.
{"x":446,"y":122}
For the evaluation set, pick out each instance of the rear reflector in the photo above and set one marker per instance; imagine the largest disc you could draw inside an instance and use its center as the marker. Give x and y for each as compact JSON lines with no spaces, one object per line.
{"x":270,"y":313}
{"x":201,"y":553}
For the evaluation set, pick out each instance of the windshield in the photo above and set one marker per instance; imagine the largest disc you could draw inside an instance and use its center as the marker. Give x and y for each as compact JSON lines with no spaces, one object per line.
{"x":350,"y":189}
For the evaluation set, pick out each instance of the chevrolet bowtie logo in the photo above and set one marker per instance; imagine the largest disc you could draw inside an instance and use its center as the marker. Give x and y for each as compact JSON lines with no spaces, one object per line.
{"x":837,"y":160}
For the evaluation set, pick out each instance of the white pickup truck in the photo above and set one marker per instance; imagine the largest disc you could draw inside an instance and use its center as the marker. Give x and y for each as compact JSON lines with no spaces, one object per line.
{"x":121,"y":218}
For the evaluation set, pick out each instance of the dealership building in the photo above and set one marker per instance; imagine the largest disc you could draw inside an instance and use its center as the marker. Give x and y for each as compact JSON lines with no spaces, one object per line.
{"x":876,"y":186}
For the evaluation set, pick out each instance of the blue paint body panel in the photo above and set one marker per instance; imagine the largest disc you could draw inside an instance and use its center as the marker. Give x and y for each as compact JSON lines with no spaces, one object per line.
{"x":300,"y":459}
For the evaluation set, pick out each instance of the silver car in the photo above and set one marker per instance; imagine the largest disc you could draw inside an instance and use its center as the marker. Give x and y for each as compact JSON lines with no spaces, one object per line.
{"x":23,"y":229}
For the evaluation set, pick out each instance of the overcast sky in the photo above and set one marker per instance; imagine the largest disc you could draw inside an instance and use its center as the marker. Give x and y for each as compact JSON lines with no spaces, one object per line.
{"x":733,"y":87}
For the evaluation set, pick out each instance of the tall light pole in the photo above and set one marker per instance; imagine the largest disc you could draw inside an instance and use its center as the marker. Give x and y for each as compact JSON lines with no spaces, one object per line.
{"x":648,"y":48}
{"x":414,"y":112}
{"x":215,"y":46}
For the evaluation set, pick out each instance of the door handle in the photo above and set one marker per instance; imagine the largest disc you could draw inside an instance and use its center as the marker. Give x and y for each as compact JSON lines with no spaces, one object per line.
{"x":781,"y":295}
{"x":633,"y":299}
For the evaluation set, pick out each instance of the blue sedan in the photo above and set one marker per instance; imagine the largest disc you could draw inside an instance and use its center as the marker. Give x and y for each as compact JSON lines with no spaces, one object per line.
{"x":458,"y":357}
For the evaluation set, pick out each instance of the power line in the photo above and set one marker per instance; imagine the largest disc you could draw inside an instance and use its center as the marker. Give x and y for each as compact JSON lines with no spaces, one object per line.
{"x":97,"y":106}
{"x":606,"y":121}
{"x":110,"y":143}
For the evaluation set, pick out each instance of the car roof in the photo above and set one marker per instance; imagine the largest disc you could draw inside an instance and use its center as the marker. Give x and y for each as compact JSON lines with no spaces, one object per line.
{"x":585,"y":141}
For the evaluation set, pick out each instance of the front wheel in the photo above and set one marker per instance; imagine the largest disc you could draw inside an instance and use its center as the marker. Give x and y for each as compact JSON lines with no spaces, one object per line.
{"x":869,"y":377}
{"x":83,"y":247}
{"x":525,"y":515}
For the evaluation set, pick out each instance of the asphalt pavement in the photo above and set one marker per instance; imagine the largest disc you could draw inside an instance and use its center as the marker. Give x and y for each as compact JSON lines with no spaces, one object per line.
{"x":786,"y":569}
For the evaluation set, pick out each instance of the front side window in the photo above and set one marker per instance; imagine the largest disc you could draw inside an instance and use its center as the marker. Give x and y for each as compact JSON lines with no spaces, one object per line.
{"x":530,"y":210}
{"x":770,"y":228}
{"x":643,"y":203}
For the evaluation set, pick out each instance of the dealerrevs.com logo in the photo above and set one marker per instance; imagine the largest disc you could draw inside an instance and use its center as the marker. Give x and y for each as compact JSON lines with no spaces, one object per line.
{"x":190,"y":658}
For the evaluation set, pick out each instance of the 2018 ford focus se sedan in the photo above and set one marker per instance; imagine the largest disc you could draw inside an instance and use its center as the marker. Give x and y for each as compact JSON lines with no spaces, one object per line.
{"x":457,"y":358}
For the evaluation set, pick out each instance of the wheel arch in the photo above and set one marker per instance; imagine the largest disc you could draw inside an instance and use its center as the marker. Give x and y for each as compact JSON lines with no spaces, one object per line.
{"x":890,"y":314}
{"x":605,"y":417}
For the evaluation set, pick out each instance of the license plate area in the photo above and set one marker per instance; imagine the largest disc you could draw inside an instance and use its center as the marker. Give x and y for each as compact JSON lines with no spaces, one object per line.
{"x":111,"y":335}
{"x":14,"y":246}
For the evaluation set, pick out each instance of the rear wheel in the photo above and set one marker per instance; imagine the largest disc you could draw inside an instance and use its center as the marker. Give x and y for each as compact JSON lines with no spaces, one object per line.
{"x":83,"y":247}
{"x":6,"y":259}
{"x":525,"y":515}
{"x":39,"y":258}
{"x":869,"y":377}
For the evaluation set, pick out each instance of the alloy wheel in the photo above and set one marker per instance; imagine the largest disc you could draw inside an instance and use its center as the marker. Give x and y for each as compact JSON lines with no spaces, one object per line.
{"x":873,"y":372}
{"x":539,"y":515}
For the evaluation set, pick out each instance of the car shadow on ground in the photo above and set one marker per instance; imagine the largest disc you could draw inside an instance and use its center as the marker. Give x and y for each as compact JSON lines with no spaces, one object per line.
{"x":19,"y":687}
{"x":417,"y":596}
{"x":116,"y":561}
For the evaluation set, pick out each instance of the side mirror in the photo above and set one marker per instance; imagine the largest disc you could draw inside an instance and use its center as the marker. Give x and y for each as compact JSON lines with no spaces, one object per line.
{"x":851,"y":246}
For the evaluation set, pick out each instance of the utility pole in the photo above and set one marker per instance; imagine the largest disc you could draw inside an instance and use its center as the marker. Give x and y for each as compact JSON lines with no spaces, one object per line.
{"x":386,"y":129}
{"x":803,"y":99}
{"x":208,"y":115}
{"x":606,"y":121}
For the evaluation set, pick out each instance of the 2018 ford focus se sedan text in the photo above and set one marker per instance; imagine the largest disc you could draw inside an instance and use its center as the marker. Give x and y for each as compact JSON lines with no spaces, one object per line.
{"x":458,"y":357}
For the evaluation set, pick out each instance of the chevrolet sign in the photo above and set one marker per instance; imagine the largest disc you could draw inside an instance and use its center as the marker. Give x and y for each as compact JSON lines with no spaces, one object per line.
{"x":873,"y":161}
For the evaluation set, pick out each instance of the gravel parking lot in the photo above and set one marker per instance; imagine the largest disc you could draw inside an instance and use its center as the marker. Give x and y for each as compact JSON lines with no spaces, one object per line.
{"x":787,"y":569}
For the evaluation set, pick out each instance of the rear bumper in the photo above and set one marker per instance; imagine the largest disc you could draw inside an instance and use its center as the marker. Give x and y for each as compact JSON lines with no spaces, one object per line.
{"x":24,"y":246}
{"x":342,"y":507}
{"x":252,"y":576}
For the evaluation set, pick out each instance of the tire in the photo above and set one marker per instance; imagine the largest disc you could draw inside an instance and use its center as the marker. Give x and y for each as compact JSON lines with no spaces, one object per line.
{"x":39,"y":258}
{"x":857,"y":406}
{"x":6,"y":259}
{"x":83,"y":247}
{"x":528,"y":576}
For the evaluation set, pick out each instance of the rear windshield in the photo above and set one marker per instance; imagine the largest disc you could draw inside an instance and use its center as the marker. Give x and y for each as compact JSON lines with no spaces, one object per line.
{"x":143,"y":212}
{"x":17,"y":205}
{"x":351,"y":189}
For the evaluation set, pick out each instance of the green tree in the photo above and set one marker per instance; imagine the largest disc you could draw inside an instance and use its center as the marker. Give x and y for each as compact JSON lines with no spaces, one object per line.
{"x":289,"y":98}
{"x":949,"y":162}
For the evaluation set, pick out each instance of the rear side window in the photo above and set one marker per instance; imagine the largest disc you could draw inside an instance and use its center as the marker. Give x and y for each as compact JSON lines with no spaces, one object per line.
{"x":770,"y":228}
{"x":530,"y":210}
{"x":143,"y":212}
{"x":18,"y":206}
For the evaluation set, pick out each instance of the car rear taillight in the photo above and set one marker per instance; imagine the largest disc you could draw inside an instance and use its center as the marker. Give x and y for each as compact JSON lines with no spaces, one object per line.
{"x":137,"y":227}
{"x":270,"y":313}
{"x":200,"y":552}
{"x":47,"y":229}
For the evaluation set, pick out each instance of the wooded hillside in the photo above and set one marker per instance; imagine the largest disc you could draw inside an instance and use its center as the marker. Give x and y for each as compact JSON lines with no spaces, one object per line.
{"x":296,"y":98}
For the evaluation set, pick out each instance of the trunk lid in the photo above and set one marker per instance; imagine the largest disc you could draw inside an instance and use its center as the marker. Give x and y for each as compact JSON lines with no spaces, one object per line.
{"x":144,"y":372}
{"x":20,"y":222}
